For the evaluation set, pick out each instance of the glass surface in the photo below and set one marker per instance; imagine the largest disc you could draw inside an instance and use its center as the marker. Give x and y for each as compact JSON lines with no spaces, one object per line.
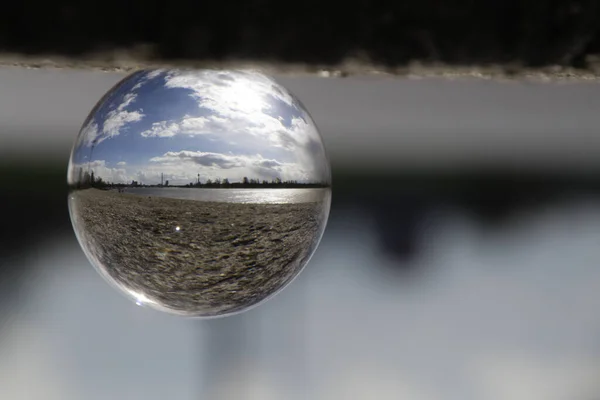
{"x":200,"y":193}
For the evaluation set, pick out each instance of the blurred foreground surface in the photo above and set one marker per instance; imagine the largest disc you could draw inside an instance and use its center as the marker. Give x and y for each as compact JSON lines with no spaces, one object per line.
{"x":460,"y":260}
{"x":543,"y":32}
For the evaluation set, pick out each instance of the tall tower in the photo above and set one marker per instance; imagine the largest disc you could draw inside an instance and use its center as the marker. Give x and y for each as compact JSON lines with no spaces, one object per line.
{"x":161,"y":179}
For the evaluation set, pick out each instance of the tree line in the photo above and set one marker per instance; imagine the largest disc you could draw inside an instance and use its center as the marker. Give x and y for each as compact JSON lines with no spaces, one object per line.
{"x":253,"y":183}
{"x":90,"y":180}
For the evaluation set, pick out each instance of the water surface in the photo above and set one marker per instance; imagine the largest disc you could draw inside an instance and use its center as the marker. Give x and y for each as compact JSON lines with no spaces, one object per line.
{"x":247,"y":196}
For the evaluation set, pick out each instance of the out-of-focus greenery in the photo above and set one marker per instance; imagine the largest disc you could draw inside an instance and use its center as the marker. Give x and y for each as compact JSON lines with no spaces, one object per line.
{"x":540,"y":32}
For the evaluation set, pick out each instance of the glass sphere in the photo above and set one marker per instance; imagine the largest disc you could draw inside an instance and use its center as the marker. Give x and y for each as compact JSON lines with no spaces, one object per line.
{"x":199,"y":192}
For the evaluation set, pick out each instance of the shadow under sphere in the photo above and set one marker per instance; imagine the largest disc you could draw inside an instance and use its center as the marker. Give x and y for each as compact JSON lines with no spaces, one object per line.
{"x":200,"y":193}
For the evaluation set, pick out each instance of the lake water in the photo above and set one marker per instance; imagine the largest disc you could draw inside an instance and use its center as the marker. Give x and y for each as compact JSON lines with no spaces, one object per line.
{"x":261,"y":196}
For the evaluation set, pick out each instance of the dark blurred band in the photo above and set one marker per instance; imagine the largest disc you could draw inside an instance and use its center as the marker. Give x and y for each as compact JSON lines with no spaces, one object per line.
{"x":326,"y":32}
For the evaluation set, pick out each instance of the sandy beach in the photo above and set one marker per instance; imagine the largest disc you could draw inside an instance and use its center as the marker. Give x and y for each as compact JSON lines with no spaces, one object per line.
{"x":196,"y":257}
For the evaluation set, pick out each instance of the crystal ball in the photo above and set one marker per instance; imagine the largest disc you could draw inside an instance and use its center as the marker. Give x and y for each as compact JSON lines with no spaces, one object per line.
{"x":200,"y":193}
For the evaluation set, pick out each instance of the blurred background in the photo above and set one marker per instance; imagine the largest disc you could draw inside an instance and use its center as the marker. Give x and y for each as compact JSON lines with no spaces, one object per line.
{"x":461,"y":256}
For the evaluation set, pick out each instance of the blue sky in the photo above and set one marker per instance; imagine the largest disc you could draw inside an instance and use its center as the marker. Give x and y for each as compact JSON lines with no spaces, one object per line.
{"x":219,"y":124}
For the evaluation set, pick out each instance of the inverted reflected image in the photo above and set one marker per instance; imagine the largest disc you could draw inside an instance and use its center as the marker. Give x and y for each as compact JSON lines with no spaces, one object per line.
{"x":199,"y":192}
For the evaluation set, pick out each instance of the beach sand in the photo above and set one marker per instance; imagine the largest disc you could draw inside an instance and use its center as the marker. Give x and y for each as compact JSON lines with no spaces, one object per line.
{"x":192,"y":257}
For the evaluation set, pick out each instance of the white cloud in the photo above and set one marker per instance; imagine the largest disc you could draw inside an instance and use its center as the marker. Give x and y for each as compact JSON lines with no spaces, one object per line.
{"x":101,"y":170}
{"x":189,"y":125}
{"x":242,"y":110}
{"x":183,"y":166}
{"x":88,"y":134}
{"x":116,"y":119}
{"x":127,"y":100}
{"x":239,"y":103}
{"x":217,"y":160}
{"x":113,"y":124}
{"x":161,"y":129}
{"x":229,"y":91}
{"x":148,"y":76}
